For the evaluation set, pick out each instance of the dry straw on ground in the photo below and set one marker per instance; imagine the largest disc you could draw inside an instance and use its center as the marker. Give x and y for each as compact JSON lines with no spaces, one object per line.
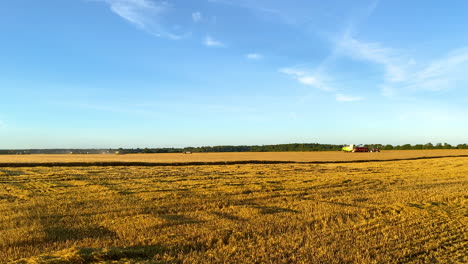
{"x":378,"y":212}
{"x":322,"y":156}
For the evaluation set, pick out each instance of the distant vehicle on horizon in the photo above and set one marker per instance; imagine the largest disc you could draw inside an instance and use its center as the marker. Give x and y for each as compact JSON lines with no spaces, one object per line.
{"x":360,"y":148}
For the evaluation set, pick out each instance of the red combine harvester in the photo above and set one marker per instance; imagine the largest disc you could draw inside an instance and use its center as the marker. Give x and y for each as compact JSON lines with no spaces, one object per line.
{"x":361,"y":149}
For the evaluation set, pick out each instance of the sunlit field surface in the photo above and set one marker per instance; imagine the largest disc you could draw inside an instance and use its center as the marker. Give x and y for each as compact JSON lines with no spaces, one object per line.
{"x":413,"y":211}
{"x":321,"y":156}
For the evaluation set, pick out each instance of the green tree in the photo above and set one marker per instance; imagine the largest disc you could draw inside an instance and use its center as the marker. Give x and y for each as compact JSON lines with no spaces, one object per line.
{"x":406,"y":147}
{"x":388,"y":147}
{"x":147,"y":150}
{"x":428,"y":146}
{"x":418,"y":146}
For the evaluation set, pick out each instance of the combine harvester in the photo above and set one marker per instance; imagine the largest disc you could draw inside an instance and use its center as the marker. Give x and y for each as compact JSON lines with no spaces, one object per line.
{"x":360,"y":148}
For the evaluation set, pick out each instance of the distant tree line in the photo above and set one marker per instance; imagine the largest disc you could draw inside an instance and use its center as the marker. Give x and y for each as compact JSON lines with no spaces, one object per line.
{"x":422,"y":146}
{"x":263,"y":148}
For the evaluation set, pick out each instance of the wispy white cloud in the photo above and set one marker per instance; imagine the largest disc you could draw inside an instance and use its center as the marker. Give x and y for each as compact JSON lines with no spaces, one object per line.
{"x":346,"y":45}
{"x":254,"y":56}
{"x":348,"y":98}
{"x":442,"y":73}
{"x":211,"y":42}
{"x":395,"y":70}
{"x":318,"y":80}
{"x":445,"y":65}
{"x":306,"y":78}
{"x":256,"y":7}
{"x":144,"y":14}
{"x":402,"y":73}
{"x":197,"y":16}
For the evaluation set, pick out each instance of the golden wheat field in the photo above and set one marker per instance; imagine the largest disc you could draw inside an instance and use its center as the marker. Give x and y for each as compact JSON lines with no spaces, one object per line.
{"x":322,"y":156}
{"x":408,"y":211}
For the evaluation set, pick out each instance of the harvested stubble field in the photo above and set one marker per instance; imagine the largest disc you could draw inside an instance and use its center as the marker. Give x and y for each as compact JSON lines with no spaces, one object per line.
{"x":323,"y":156}
{"x":412,"y":211}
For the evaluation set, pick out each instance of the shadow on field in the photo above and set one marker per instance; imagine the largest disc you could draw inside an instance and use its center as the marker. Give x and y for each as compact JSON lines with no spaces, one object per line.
{"x":274,"y":209}
{"x":133,"y":254}
{"x":344,"y":204}
{"x":61,"y":224}
{"x":228,"y":216}
{"x":9,"y":173}
{"x":99,"y":255}
{"x":55,"y":234}
{"x":109,"y":254}
{"x":9,"y":198}
{"x":175,"y":220}
{"x":61,"y":233}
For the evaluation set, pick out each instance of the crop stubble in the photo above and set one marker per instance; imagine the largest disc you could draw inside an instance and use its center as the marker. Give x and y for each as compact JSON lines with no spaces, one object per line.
{"x":320,"y":156}
{"x":378,"y":212}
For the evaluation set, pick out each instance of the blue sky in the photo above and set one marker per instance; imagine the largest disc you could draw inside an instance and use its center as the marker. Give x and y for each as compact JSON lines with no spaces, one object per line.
{"x":149,"y":73}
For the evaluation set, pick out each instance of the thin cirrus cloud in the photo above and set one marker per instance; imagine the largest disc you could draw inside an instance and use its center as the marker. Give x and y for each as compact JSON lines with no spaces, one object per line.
{"x":257,"y":7}
{"x":404,"y":74}
{"x":148,"y":15}
{"x":306,"y":78}
{"x":211,"y":42}
{"x":144,"y":14}
{"x":443,"y":73}
{"x":401,"y":74}
{"x":197,"y":17}
{"x":318,"y":80}
{"x":373,"y":52}
{"x":254,"y":56}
